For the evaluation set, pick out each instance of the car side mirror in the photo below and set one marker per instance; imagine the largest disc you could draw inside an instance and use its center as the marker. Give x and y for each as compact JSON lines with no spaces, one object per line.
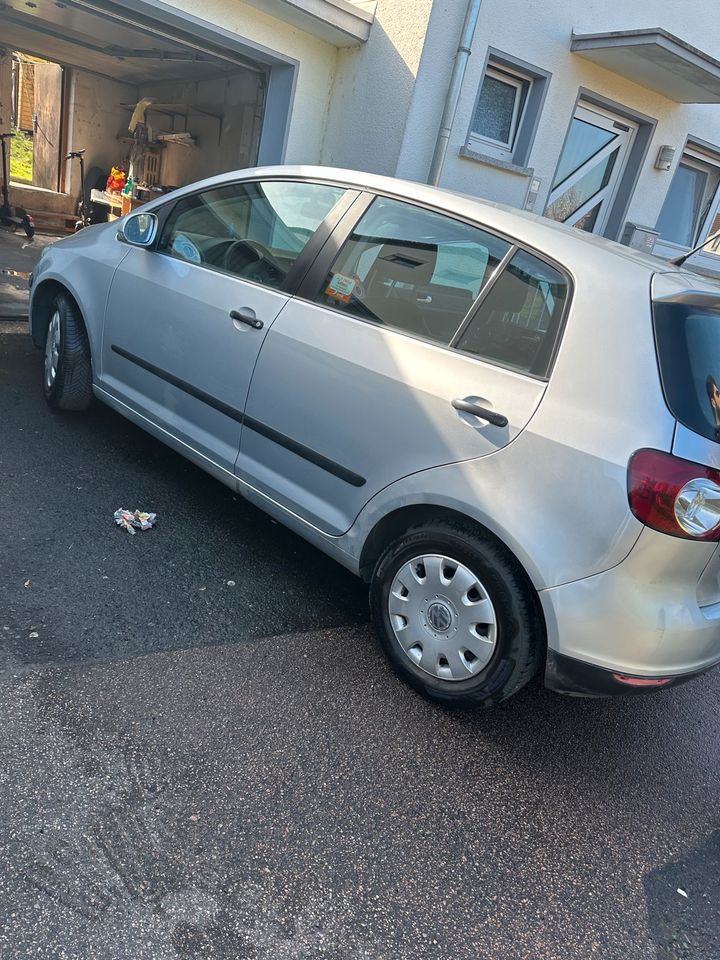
{"x":139,"y":229}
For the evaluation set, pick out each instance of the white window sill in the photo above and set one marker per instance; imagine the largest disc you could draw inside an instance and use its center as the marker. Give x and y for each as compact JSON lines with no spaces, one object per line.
{"x":469,"y":152}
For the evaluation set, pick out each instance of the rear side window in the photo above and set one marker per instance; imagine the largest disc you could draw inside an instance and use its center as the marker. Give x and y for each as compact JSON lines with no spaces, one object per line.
{"x":412,"y":269}
{"x":687,"y":335}
{"x":518,"y":321}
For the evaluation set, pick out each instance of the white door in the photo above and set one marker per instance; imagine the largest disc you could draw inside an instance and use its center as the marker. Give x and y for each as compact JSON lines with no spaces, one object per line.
{"x":591,"y":165}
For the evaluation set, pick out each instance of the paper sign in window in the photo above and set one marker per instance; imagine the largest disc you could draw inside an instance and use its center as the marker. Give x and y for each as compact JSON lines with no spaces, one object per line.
{"x":341,"y":287}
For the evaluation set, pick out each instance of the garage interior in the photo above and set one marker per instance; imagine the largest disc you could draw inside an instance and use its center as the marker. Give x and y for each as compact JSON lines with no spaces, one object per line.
{"x":88,"y":76}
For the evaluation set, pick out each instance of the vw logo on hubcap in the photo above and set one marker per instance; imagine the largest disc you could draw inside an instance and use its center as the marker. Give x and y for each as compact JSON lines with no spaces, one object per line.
{"x":439,"y":617}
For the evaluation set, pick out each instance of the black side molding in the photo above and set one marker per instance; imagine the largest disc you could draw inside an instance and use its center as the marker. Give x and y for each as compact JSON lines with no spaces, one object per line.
{"x":294,"y":446}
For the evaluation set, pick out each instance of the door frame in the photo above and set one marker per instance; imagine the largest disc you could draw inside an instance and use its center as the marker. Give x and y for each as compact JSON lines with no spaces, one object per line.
{"x":597,"y":116}
{"x":635,"y":161}
{"x":197,"y":33}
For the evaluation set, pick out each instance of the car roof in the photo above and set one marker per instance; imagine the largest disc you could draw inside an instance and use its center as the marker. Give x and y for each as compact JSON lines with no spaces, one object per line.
{"x":571,"y":247}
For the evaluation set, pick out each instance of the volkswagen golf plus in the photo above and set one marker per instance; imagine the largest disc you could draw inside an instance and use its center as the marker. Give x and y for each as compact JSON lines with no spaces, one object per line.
{"x":508,"y":428}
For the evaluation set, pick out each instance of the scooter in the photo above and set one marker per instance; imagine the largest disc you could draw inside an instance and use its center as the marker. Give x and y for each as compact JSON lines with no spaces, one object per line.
{"x":12,"y":217}
{"x":83,"y":209}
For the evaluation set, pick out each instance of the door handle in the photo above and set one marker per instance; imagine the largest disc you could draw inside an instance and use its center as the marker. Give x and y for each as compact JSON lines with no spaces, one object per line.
{"x":496,"y":419}
{"x":246,"y":315}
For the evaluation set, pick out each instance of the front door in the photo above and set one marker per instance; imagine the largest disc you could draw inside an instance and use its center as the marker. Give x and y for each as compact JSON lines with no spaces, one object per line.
{"x":185,"y":321}
{"x":591,"y":165}
{"x":375,"y":371}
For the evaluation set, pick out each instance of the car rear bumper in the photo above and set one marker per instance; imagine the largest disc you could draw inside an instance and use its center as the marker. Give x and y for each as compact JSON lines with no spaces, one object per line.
{"x":577,"y":678}
{"x":646,"y":620}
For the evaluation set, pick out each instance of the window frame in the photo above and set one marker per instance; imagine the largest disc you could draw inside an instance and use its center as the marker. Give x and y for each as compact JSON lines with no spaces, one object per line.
{"x":695,"y":157}
{"x":316,"y":277}
{"x":477,"y":147}
{"x":307,"y":255}
{"x":510,"y":78}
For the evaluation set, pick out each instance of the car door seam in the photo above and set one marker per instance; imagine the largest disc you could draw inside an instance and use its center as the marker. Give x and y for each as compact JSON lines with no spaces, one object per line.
{"x":257,"y":426}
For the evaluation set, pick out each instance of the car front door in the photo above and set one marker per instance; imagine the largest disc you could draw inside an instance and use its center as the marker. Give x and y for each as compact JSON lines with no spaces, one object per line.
{"x":185,"y":321}
{"x":421,"y":341}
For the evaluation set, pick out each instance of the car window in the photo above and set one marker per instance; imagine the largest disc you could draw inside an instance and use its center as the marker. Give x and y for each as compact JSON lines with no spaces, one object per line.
{"x":251,"y":230}
{"x":517,"y":322}
{"x":411,"y":269}
{"x":687,"y":334}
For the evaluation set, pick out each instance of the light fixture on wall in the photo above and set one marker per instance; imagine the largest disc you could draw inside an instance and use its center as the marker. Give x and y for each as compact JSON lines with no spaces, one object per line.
{"x":665,"y":157}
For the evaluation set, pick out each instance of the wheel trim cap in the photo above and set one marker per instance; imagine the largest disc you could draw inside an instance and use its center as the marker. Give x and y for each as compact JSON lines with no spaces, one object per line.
{"x":52,"y":350}
{"x":442,"y":617}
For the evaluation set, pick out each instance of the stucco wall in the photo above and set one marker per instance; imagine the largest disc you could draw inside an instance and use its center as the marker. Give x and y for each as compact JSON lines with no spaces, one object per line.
{"x":539,"y":32}
{"x":373,"y":89}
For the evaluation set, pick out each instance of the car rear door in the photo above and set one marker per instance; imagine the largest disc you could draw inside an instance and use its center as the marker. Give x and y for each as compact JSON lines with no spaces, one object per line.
{"x":185,"y":321}
{"x":409,"y":325}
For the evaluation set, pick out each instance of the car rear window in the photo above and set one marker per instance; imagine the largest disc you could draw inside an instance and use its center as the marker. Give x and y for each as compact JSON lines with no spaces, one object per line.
{"x":687,"y":334}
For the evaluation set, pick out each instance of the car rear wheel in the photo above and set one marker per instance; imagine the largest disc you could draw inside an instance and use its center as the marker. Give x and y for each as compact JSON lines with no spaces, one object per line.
{"x":455,"y":615}
{"x":67,"y":371}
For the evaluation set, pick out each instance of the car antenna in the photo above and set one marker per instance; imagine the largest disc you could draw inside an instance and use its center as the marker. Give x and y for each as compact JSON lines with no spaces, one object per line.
{"x":679,"y":261}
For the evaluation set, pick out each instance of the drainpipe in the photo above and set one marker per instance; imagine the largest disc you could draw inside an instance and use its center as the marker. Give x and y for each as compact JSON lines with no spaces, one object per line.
{"x":454,"y":90}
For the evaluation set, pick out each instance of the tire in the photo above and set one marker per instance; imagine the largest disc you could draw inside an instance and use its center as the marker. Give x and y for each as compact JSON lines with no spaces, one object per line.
{"x":431,"y":636}
{"x":67,"y":369}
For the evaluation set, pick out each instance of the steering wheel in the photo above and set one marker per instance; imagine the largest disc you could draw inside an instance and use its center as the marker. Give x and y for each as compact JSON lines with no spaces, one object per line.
{"x":243,"y":254}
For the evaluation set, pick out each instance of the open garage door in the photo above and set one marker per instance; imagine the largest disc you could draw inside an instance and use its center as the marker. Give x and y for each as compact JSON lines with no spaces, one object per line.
{"x":209,"y":101}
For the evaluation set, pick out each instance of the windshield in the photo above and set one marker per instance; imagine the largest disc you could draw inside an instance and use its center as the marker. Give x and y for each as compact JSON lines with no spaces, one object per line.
{"x":687,"y":334}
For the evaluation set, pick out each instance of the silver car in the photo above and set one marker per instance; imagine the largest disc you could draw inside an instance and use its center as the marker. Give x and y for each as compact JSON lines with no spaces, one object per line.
{"x":508,"y":428}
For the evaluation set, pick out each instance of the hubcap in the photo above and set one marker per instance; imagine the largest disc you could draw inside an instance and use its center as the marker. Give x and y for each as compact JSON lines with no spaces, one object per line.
{"x":52,"y":350}
{"x":442,"y":617}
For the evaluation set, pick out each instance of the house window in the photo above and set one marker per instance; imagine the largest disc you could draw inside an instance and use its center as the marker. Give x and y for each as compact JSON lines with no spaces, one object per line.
{"x":499,"y":109}
{"x":692,"y":200}
{"x":507,"y":109}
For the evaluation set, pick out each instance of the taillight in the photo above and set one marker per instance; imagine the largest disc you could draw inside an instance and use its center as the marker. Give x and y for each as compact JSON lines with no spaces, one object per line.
{"x":674,"y":496}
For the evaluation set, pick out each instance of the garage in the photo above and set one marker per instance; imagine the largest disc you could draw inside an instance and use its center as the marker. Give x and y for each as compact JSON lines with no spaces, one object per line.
{"x":153,"y":99}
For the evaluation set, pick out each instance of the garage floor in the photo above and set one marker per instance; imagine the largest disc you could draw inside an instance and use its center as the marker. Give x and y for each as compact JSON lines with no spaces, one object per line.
{"x":18,"y":256}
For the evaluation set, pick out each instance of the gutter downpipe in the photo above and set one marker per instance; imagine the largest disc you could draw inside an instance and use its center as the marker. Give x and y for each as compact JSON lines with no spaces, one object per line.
{"x":454,"y":89}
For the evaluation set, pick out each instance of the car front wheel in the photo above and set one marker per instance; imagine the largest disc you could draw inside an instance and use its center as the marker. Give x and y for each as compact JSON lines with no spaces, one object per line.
{"x":67,"y":370}
{"x":456,"y":616}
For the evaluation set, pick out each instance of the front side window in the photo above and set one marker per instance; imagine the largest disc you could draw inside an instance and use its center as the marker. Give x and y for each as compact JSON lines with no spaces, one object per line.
{"x":499,"y":109}
{"x":412,"y":269}
{"x":252,"y":230}
{"x":692,"y":195}
{"x":517,"y":323}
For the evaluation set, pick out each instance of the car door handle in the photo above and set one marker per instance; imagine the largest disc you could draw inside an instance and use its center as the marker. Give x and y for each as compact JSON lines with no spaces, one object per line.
{"x":246,"y":315}
{"x":496,"y":419}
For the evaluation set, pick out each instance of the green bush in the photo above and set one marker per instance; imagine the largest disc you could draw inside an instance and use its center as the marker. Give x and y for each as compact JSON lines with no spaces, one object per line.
{"x":21,"y":156}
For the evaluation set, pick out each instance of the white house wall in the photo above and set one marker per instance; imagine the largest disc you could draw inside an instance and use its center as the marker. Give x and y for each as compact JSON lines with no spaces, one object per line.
{"x":373,"y":89}
{"x":540,"y":34}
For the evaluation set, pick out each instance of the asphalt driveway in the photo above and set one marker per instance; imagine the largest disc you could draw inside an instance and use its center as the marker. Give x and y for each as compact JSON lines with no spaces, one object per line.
{"x":202,"y":753}
{"x":18,"y":256}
